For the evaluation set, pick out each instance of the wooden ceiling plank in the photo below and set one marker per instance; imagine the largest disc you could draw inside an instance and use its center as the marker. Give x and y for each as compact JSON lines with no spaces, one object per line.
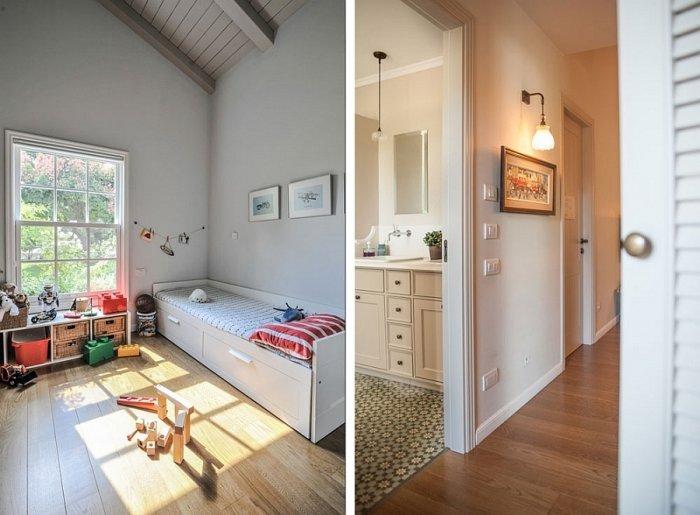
{"x":179,"y":13}
{"x":163,"y":45}
{"x":150,"y":10}
{"x":166,"y":9}
{"x":233,"y":59}
{"x":223,"y":39}
{"x":251,"y":23}
{"x":289,"y":9}
{"x":209,"y":36}
{"x":230,"y":48}
{"x":201,"y":16}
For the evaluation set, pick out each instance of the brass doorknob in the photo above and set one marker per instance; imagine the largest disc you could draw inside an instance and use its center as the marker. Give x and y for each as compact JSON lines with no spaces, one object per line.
{"x":637,"y":245}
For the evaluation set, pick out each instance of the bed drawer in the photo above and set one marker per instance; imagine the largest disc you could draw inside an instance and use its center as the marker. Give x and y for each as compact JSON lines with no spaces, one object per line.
{"x":242,"y":364}
{"x":179,"y":331}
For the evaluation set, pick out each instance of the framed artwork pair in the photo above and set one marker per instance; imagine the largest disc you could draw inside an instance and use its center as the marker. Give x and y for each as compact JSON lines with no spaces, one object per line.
{"x":308,"y":197}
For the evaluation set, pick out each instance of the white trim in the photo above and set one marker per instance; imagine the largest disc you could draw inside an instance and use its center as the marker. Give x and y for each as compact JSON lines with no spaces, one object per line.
{"x":393,"y":73}
{"x":606,"y":327}
{"x":495,"y":420}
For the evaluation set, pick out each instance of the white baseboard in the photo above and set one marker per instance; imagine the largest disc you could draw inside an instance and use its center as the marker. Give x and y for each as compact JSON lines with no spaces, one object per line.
{"x":509,"y":409}
{"x":601,"y":332}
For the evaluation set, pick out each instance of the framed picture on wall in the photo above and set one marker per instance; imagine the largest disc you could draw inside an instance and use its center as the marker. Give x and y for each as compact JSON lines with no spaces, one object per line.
{"x":310,"y":197}
{"x":264,"y":204}
{"x":528,"y":184}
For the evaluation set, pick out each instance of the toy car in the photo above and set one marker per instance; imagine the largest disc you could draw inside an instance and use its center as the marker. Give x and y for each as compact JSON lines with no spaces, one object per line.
{"x":15,"y":375}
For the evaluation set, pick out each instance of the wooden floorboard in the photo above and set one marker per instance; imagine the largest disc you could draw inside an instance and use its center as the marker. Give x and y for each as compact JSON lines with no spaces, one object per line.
{"x":557,"y":454}
{"x":63,"y":446}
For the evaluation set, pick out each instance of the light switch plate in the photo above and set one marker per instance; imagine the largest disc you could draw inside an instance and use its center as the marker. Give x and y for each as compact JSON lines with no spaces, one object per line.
{"x":234,"y":235}
{"x":489,"y":379}
{"x":490,"y":231}
{"x":491,"y":192}
{"x":492,"y":266}
{"x":140,"y":272}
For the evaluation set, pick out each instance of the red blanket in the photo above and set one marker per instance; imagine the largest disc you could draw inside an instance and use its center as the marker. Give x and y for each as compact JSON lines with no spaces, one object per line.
{"x":298,"y":338}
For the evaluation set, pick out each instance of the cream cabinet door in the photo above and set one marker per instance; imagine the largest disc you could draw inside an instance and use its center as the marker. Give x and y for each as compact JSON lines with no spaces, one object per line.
{"x":370,"y":330}
{"x":427,"y":340}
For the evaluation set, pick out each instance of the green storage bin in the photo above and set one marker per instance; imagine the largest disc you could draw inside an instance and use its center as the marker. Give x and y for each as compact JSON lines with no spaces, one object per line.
{"x":96,"y":351}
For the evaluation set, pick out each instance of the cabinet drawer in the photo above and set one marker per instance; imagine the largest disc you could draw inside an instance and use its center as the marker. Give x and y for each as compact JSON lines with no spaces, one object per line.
{"x":398,"y":282}
{"x":398,"y":309}
{"x":73,"y":331}
{"x":109,"y":325}
{"x":369,"y":280}
{"x":427,"y":284}
{"x":181,"y":333}
{"x":400,"y":336}
{"x":401,"y":362}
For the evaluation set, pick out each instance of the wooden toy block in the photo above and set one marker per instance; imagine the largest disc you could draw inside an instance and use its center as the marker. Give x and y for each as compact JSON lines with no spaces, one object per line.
{"x":178,"y":438}
{"x":140,"y":424}
{"x":164,"y":435}
{"x":141,"y":441}
{"x":128,"y":349}
{"x":152,"y":431}
{"x":151,"y":448}
{"x":186,"y":429}
{"x":162,"y":406}
{"x":131,"y":435}
{"x":181,"y":405}
{"x":134,"y":401}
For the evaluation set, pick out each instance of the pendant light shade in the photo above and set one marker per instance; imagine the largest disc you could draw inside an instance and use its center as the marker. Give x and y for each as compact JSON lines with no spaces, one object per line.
{"x":378,"y":135}
{"x":543,"y":138}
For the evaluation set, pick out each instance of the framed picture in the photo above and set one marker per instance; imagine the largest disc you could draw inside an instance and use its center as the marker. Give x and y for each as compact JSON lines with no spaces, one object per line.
{"x":528,"y":184}
{"x":264,"y":204}
{"x":310,"y":197}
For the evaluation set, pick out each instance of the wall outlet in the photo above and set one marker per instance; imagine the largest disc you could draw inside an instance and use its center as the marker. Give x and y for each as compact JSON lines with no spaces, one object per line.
{"x":492,"y":266}
{"x":140,"y":272}
{"x":234,"y":235}
{"x":489,"y":379}
{"x":490,"y":231}
{"x":491,"y":192}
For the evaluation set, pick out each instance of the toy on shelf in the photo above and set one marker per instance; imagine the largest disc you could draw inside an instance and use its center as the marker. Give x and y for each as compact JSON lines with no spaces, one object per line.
{"x":128,"y":349}
{"x":96,"y":351}
{"x":48,"y":300}
{"x":15,"y":375}
{"x":112,"y":303}
{"x":134,"y":401}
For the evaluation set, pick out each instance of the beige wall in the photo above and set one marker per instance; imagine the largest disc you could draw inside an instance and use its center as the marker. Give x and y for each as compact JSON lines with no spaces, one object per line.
{"x":366,"y":177}
{"x":591,"y":81}
{"x":409,"y":103}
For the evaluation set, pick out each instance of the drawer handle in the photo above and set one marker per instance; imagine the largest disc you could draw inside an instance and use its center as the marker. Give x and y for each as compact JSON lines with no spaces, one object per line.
{"x":398,"y":310}
{"x":240,"y":356}
{"x":109,"y":322}
{"x":399,"y":336}
{"x":173,"y":320}
{"x":72,"y":326}
{"x":397,"y":282}
{"x":399,"y":362}
{"x":357,"y":297}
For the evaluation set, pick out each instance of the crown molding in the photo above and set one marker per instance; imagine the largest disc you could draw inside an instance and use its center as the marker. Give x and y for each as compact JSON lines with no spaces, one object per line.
{"x":420,"y":66}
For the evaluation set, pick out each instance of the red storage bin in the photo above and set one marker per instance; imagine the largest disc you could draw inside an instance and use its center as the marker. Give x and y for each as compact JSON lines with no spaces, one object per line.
{"x":112,"y":303}
{"x":31,"y":346}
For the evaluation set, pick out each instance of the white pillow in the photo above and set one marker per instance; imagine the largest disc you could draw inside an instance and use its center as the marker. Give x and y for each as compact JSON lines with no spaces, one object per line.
{"x":198,"y":295}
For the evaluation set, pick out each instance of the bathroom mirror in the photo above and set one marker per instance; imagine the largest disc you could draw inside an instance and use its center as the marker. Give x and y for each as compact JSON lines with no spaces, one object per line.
{"x":411,"y":173}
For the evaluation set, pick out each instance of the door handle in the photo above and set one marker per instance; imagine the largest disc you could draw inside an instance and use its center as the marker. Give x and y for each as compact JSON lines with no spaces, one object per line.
{"x":637,"y":245}
{"x":583,"y":240}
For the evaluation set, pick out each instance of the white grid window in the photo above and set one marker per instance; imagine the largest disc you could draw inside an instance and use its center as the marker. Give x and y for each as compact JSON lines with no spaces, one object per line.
{"x":67,"y":214}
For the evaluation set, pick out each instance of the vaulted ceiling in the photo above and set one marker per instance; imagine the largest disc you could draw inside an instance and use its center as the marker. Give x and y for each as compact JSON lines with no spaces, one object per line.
{"x":204,"y":38}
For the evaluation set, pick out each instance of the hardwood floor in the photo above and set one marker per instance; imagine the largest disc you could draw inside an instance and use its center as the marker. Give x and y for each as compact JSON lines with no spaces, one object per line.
{"x":63,"y":446}
{"x":558,"y":454}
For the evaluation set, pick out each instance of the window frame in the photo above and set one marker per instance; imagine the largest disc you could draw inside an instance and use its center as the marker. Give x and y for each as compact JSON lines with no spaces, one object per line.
{"x":14,"y":142}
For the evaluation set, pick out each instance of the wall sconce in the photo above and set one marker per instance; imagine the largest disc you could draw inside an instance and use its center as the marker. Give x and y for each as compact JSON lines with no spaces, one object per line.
{"x":542,"y":139}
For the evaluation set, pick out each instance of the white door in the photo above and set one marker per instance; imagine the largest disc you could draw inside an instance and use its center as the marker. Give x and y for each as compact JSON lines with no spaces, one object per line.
{"x":574,"y":243}
{"x":660,"y":185}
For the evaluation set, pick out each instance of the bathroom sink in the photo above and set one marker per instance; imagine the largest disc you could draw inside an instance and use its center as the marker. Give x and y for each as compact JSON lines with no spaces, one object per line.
{"x":388,"y":259}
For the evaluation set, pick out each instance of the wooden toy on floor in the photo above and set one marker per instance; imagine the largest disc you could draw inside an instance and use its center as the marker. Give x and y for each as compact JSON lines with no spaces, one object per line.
{"x":128,"y":349}
{"x":164,"y":435}
{"x":179,"y":437}
{"x":150,"y":448}
{"x":15,"y":375}
{"x":140,"y":424}
{"x":134,"y":401}
{"x":181,"y":404}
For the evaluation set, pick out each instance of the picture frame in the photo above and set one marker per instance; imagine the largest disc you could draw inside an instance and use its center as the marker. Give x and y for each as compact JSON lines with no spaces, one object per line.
{"x":311,"y":197}
{"x":264,"y":204}
{"x":528,"y":184}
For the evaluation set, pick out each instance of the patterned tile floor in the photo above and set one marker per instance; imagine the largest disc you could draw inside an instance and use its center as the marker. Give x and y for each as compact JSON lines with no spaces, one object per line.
{"x":398,"y":430}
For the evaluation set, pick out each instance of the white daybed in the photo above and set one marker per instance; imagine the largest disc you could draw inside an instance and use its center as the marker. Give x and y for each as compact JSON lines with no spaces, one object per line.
{"x":310,"y":399}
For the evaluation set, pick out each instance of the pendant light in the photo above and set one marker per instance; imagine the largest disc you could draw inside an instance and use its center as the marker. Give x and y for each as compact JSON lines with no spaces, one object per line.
{"x":542,"y":139}
{"x":378,"y":134}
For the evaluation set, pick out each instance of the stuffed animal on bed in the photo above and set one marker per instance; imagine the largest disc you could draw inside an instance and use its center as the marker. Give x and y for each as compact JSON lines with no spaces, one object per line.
{"x":290,"y":314}
{"x":199,"y":296}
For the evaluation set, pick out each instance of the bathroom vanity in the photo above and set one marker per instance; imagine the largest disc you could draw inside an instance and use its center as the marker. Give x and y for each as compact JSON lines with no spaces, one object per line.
{"x":398,"y":310}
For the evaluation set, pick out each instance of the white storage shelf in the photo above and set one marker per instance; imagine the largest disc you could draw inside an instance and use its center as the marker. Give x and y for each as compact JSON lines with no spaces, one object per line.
{"x":60,"y":319}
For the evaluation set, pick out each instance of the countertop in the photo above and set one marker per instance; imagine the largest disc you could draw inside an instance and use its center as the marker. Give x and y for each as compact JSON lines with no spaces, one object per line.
{"x":423,"y":264}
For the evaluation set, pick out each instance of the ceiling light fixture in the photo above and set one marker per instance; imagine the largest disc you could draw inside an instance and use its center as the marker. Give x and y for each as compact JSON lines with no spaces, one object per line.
{"x":378,"y":134}
{"x":542,"y":139}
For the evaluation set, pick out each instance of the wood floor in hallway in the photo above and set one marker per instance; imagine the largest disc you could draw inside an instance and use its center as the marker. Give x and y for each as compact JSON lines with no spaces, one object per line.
{"x":557,"y":454}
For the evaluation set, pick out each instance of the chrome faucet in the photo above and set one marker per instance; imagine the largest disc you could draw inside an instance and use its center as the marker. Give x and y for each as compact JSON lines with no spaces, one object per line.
{"x":397,"y":233}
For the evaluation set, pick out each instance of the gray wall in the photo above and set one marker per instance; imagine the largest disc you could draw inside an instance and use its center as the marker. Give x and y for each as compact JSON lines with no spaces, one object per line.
{"x":70,"y":69}
{"x":278,"y":117}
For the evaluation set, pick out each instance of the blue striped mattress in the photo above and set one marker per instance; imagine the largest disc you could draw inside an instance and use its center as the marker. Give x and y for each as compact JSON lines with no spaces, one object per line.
{"x":225,"y":310}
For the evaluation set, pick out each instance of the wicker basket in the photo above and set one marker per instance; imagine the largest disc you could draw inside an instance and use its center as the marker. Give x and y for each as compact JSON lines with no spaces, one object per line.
{"x":67,"y":348}
{"x":10,"y":322}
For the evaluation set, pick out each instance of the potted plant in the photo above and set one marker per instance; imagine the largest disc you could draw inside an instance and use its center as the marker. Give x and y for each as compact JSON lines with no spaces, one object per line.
{"x":433,"y":240}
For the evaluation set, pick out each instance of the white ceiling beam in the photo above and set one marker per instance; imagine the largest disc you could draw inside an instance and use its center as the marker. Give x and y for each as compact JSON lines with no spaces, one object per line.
{"x":249,"y":21}
{"x":150,"y":34}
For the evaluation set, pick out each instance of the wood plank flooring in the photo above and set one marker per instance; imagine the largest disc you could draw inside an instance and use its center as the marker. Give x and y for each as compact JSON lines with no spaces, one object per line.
{"x":63,"y":446}
{"x":558,"y":454}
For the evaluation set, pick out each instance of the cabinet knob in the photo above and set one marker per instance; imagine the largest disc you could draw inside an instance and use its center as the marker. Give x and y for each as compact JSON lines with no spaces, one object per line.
{"x":397,"y":282}
{"x":399,"y":362}
{"x":398,"y":310}
{"x":399,"y":336}
{"x":357,"y":297}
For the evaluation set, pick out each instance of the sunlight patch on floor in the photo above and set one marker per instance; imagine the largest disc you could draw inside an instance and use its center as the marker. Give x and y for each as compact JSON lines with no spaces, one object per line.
{"x":96,"y":438}
{"x":80,"y":395}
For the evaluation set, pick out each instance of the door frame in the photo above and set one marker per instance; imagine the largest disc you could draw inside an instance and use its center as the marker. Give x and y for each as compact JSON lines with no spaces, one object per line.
{"x":588,"y":290}
{"x":459,"y":387}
